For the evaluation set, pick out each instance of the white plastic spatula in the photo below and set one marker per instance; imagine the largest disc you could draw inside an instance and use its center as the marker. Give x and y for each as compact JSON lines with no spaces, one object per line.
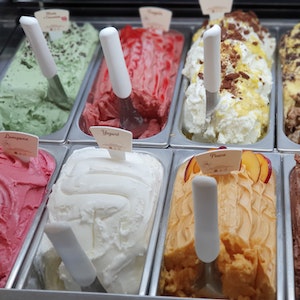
{"x":212,"y":67}
{"x":207,"y":241}
{"x":130,"y":119}
{"x":38,"y":43}
{"x":73,"y":256}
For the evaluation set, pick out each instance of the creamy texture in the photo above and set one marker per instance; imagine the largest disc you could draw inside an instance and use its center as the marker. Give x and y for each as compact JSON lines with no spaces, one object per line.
{"x":23,"y":90}
{"x":22,"y":186}
{"x":290,"y":66}
{"x":110,"y":206}
{"x":294,"y":182}
{"x":152,"y":61}
{"x":247,"y":228}
{"x":242,"y":115}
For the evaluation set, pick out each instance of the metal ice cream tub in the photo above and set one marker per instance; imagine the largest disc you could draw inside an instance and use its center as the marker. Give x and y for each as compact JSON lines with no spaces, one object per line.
{"x":7,"y":28}
{"x":11,"y":49}
{"x":58,"y":153}
{"x":288,"y":165}
{"x":284,"y":144}
{"x":266,"y":143}
{"x":30,"y":278}
{"x":77,"y":132}
{"x":183,"y":155}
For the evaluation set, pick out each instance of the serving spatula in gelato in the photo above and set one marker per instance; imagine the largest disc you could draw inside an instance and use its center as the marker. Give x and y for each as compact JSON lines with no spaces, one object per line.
{"x":212,"y":67}
{"x":207,"y":241}
{"x":73,"y":256}
{"x":130,"y":119}
{"x":38,"y":43}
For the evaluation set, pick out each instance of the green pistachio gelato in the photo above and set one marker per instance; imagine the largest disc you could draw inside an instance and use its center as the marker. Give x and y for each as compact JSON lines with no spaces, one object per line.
{"x":23,"y":89}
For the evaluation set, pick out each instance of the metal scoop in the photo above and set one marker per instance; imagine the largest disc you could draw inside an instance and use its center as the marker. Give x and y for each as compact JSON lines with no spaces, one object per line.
{"x":207,"y":241}
{"x":38,"y":43}
{"x":73,"y":256}
{"x":130,"y":119}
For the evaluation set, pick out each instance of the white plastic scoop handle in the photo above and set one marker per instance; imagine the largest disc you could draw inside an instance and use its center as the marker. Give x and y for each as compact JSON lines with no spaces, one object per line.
{"x":68,"y":248}
{"x":212,"y":59}
{"x":114,"y":57}
{"x":39,"y":46}
{"x":205,"y":200}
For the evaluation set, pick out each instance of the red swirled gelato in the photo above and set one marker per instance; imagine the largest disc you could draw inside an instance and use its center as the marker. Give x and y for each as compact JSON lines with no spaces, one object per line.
{"x":152,"y":60}
{"x":22,"y":188}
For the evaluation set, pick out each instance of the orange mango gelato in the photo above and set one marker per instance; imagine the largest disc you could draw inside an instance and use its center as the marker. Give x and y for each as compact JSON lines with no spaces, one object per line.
{"x":247,"y":227}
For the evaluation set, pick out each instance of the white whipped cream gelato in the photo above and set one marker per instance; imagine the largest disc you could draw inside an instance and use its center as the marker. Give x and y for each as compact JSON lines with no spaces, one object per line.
{"x":242,"y":115}
{"x":110,"y":205}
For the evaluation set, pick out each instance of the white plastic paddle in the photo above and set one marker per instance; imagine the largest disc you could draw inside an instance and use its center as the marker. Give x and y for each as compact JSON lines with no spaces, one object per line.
{"x":73,"y":256}
{"x":207,"y":241}
{"x":130,"y":119}
{"x":212,"y":67}
{"x":38,"y":43}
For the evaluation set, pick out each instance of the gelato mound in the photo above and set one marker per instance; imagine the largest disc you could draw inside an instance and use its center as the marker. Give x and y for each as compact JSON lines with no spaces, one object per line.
{"x":242,"y":114}
{"x":290,"y":66}
{"x":152,"y":60}
{"x":23,"y":89}
{"x":295,"y":206}
{"x":247,"y":227}
{"x":110,"y":205}
{"x":23,"y":186}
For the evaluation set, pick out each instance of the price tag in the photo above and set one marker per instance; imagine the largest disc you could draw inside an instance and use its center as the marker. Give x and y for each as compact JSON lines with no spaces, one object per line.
{"x":117,"y":141}
{"x":53,"y":21}
{"x":215,"y":8}
{"x":155,"y":17}
{"x":219,"y":162}
{"x":19,"y":144}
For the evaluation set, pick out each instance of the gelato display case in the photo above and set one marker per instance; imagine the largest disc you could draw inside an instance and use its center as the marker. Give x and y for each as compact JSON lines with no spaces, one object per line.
{"x":244,"y":109}
{"x":100,"y":107}
{"x":178,"y":272}
{"x":291,"y":205}
{"x":288,"y":91}
{"x":171,"y":146}
{"x":26,"y":102}
{"x":129,"y":231}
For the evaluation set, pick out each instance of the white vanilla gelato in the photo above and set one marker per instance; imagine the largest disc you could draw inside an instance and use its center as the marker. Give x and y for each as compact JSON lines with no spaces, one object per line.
{"x":110,"y":205}
{"x":242,"y":115}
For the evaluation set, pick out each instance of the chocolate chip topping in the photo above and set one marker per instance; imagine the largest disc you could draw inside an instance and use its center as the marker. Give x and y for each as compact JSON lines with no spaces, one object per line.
{"x":200,"y":75}
{"x":244,"y":75}
{"x":234,"y":30}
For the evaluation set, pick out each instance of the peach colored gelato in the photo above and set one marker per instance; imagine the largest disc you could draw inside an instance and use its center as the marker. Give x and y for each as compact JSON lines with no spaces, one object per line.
{"x":247,"y":226}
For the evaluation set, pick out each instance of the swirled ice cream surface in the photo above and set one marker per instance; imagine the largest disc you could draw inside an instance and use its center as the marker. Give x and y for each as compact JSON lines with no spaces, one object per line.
{"x":110,"y":205}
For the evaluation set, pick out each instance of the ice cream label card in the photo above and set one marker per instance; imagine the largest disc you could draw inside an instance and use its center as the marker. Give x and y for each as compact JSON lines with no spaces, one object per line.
{"x":53,"y":21}
{"x":219,"y":161}
{"x":215,"y":8}
{"x":115,"y":140}
{"x":21,"y":145}
{"x":155,"y":17}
